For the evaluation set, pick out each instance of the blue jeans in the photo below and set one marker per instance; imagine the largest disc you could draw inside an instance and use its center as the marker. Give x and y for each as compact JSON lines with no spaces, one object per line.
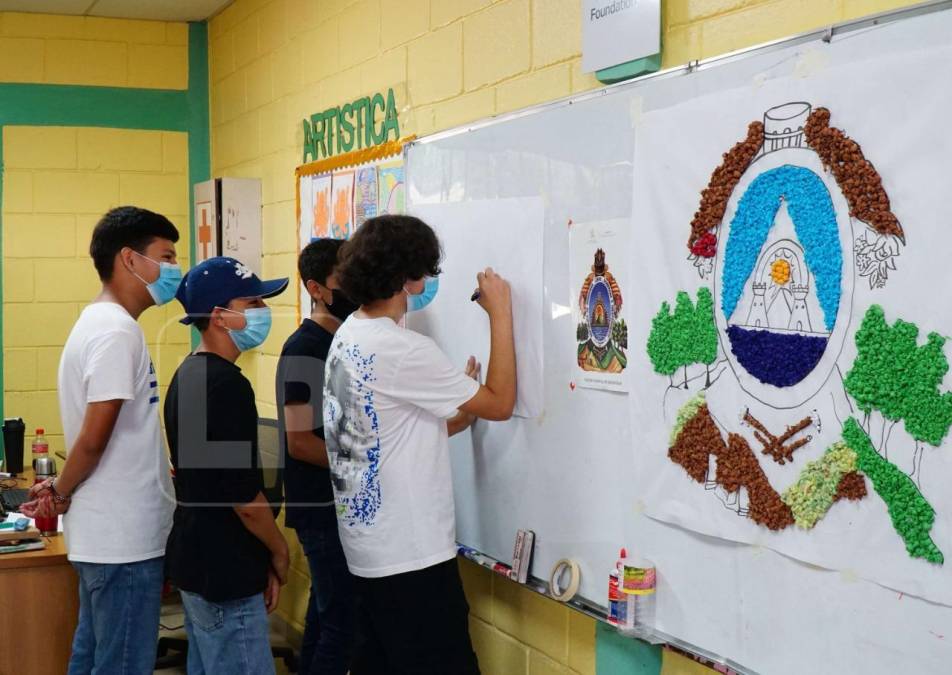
{"x":328,"y":640}
{"x":227,"y":638}
{"x":118,"y":618}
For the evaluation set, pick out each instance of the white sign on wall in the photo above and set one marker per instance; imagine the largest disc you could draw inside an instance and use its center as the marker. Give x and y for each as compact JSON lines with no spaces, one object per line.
{"x":228,"y":220}
{"x":240,"y":219}
{"x":618,"y":31}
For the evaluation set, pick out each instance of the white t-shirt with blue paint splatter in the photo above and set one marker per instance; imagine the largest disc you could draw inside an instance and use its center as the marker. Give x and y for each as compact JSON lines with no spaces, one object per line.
{"x":387,"y":394}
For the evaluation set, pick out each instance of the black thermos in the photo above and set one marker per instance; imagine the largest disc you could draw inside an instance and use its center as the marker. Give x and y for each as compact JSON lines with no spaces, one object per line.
{"x":13,"y":432}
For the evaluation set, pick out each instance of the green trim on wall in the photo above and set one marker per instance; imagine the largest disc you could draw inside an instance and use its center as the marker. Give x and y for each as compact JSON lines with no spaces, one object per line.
{"x":199,"y":146}
{"x":616,"y":654}
{"x":80,"y":106}
{"x":118,"y":108}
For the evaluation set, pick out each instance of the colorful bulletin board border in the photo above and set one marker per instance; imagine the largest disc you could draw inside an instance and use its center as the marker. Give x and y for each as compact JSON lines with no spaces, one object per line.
{"x":353,"y":159}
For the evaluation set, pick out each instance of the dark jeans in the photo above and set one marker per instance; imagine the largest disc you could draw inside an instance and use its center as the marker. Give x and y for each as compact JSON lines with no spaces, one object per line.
{"x":328,"y":641}
{"x":416,"y":623}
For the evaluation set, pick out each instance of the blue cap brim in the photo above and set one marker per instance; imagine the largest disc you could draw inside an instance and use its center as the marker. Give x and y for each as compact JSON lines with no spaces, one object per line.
{"x":271,"y":288}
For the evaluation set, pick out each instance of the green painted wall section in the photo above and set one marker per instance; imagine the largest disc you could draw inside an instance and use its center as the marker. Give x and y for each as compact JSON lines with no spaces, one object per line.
{"x":80,"y":106}
{"x":616,"y":654}
{"x":199,"y":145}
{"x":119,"y":108}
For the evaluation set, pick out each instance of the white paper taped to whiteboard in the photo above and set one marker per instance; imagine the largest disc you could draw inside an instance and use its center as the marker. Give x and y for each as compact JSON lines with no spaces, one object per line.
{"x":505,"y":234}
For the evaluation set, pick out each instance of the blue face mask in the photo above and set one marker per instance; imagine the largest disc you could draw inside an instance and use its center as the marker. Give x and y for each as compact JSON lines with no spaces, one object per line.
{"x":257,"y":327}
{"x":418,"y":301}
{"x":162,"y":289}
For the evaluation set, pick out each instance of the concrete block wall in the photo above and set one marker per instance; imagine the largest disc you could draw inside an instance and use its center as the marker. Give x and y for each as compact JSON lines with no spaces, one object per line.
{"x":93,"y":51}
{"x":519,"y":632}
{"x":57,"y":181}
{"x":275,"y":62}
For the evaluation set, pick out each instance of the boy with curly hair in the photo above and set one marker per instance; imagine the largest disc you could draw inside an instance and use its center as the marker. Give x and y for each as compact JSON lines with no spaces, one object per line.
{"x":391,"y":400}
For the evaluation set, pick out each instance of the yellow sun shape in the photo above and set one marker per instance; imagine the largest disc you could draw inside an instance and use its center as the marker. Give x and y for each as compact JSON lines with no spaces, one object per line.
{"x":780,"y":272}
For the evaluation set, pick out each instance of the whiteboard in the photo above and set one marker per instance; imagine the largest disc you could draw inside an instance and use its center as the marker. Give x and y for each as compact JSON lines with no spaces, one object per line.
{"x":569,"y":475}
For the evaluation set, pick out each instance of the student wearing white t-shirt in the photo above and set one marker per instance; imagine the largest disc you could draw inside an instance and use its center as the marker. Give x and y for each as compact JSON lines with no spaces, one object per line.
{"x":115,"y":488}
{"x":391,"y":399}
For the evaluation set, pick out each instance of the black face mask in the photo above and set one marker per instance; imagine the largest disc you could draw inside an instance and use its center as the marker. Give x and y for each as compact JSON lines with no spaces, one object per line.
{"x":341,"y":306}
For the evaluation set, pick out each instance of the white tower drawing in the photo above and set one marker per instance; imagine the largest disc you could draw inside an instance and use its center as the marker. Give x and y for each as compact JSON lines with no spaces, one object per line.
{"x":799,"y":316}
{"x":757,"y":316}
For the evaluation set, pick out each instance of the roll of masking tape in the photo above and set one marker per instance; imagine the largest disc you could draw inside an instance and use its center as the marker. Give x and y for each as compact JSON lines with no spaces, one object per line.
{"x":557,"y":588}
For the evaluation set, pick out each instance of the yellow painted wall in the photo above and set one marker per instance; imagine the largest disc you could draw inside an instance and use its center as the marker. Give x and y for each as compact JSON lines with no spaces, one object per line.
{"x":274,"y":62}
{"x":58,"y":181}
{"x":89,"y":50}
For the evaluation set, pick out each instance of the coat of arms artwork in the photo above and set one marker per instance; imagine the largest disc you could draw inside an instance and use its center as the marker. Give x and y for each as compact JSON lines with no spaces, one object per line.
{"x":801,"y":401}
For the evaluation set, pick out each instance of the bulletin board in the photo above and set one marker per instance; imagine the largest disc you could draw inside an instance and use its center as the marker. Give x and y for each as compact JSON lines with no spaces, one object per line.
{"x":744,"y":345}
{"x":335,"y":196}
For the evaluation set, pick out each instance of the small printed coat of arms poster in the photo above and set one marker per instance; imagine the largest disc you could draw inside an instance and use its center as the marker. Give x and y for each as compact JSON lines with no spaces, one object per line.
{"x":598,"y":272}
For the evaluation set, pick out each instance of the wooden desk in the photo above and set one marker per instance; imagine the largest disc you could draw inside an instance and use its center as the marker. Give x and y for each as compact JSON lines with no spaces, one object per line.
{"x":39,"y":606}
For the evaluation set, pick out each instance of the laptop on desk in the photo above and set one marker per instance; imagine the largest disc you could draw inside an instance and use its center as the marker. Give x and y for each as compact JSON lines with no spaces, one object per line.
{"x":12,"y":499}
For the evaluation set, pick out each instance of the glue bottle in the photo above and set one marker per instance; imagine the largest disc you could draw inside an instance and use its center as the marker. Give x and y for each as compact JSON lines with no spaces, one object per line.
{"x":621,"y":610}
{"x":639,"y":583}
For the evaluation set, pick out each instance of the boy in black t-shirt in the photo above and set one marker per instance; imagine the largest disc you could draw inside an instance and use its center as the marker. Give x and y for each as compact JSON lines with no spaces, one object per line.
{"x":329,"y":626}
{"x":225,"y":552}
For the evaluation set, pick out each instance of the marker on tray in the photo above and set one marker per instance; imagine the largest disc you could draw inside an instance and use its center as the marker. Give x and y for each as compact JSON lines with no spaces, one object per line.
{"x":484,"y":560}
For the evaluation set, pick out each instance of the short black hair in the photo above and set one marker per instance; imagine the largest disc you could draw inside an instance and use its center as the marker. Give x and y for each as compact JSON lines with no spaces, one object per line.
{"x":126,"y":226}
{"x":385,"y":253}
{"x":201,"y":323}
{"x":318,"y":259}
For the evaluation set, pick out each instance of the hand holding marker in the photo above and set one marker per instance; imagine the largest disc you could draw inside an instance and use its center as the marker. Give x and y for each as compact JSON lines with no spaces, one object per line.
{"x":493,"y":292}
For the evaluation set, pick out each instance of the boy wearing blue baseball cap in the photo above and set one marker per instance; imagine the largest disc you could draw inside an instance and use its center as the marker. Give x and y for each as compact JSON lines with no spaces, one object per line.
{"x":225,"y":552}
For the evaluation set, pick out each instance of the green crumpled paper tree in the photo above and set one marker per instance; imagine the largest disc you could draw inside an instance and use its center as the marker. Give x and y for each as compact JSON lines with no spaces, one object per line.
{"x":683,"y":337}
{"x":898,"y":377}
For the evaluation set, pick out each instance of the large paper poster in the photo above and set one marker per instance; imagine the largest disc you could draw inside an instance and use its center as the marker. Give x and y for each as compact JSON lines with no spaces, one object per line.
{"x":365,"y":195}
{"x":392,"y":189}
{"x":598,"y":272}
{"x":505,"y":234}
{"x":342,"y":215}
{"x":789,"y":328}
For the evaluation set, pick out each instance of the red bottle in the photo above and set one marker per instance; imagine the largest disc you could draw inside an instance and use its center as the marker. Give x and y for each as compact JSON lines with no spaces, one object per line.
{"x":40,"y":447}
{"x":45,"y":467}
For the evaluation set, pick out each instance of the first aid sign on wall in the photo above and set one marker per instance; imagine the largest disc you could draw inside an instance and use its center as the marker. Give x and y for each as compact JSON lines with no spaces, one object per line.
{"x":619,"y":31}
